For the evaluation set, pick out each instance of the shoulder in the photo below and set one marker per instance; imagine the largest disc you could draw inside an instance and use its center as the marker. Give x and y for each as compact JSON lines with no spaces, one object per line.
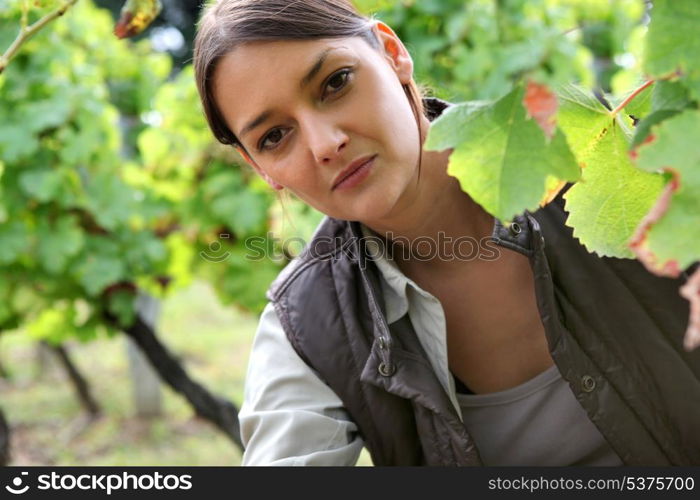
{"x":284,"y":398}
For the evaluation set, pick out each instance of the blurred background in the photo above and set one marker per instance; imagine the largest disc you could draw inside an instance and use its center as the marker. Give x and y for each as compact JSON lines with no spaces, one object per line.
{"x":128,"y":297}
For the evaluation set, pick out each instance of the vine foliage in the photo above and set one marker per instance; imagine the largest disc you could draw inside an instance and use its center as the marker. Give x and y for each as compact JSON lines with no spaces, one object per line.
{"x":110,"y":182}
{"x":111,"y":186}
{"x":635,"y":166}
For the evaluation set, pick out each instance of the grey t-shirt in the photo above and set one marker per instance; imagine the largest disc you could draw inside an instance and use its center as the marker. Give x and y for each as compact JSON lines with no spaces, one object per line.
{"x":538,"y":422}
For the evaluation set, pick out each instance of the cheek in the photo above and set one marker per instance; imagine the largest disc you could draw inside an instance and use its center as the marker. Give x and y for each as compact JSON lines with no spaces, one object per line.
{"x":279,"y":171}
{"x":296,"y":175}
{"x":398,"y":123}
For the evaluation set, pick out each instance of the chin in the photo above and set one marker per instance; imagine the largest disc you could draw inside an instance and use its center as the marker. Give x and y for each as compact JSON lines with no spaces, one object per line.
{"x":377,"y":202}
{"x":380,"y":208}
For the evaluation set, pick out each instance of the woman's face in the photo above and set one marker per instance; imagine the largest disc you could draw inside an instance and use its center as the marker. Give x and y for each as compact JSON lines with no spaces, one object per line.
{"x":311,"y":112}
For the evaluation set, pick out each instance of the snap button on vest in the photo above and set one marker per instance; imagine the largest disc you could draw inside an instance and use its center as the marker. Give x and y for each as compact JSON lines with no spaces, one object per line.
{"x":587,"y":383}
{"x":515,"y":228}
{"x":386,"y":369}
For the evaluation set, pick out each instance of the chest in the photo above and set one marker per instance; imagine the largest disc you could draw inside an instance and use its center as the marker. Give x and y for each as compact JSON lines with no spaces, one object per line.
{"x":495,"y":337}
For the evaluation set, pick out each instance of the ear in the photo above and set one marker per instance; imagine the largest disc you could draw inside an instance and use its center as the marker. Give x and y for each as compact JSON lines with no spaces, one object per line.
{"x":395,"y":51}
{"x":260,"y":171}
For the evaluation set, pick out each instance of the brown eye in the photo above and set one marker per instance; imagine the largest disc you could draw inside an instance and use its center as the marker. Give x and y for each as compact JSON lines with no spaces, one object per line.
{"x":337,"y":81}
{"x":271,"y":139}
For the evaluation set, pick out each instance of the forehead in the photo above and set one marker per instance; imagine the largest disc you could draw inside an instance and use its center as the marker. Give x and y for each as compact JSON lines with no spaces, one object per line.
{"x":256,"y":74}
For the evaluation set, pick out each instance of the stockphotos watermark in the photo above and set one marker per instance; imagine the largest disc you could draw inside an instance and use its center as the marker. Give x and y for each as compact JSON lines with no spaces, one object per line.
{"x":103,"y":483}
{"x":444,"y":248}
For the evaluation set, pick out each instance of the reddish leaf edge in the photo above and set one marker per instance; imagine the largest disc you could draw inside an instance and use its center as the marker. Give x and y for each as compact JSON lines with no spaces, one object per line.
{"x":691,"y":292}
{"x":123,"y":28}
{"x":135,"y":18}
{"x":638,"y":243}
{"x":631,"y":97}
{"x":639,"y":246}
{"x":541,"y":104}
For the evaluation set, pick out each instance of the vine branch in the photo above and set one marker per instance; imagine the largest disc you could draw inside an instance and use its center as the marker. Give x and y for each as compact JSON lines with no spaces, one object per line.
{"x":26,"y":32}
{"x":629,"y":98}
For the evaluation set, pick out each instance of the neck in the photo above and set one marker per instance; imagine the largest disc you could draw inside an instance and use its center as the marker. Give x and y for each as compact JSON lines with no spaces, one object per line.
{"x":434,"y":213}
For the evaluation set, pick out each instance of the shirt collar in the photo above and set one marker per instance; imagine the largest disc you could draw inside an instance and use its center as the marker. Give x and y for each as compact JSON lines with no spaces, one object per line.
{"x":393,"y":282}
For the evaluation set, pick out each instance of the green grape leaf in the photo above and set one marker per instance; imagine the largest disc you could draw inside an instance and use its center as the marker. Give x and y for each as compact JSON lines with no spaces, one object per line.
{"x":580,"y":113}
{"x":370,"y":6}
{"x":58,"y":243}
{"x":14,"y":241}
{"x":77,"y":145}
{"x":109,"y":199}
{"x":41,"y":184}
{"x":16,"y":143}
{"x":667,"y":242}
{"x":142,"y":250}
{"x":502,"y":158}
{"x":242,"y":280}
{"x":612,"y":197}
{"x":443,"y":135}
{"x":54,"y":324}
{"x":6,"y":312}
{"x":244,"y":211}
{"x":672,"y":43}
{"x":40,"y":115}
{"x":643,"y":129}
{"x":121,"y":304}
{"x":154,"y":145}
{"x":669,"y":95}
{"x":691,"y":81}
{"x":180,"y":264}
{"x":135,"y":17}
{"x":667,"y":100}
{"x":641,"y":105}
{"x":97,"y":271}
{"x":90,"y":330}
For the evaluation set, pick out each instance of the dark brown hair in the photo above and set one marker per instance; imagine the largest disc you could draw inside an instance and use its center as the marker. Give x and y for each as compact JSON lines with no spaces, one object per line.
{"x":227,"y":24}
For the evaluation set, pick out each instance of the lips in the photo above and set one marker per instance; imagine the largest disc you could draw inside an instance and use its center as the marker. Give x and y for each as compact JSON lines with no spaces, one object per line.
{"x":351,"y":169}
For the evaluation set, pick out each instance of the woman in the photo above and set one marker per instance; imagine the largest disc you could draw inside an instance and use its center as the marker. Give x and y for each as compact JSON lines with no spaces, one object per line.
{"x":527,"y":351}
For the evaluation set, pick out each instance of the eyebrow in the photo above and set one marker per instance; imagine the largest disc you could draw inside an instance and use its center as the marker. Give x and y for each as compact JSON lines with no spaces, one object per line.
{"x":316,"y":67}
{"x":313,"y":71}
{"x":254,"y":123}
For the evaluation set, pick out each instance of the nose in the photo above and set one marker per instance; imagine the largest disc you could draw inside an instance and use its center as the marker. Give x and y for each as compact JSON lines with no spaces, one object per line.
{"x":325,"y":140}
